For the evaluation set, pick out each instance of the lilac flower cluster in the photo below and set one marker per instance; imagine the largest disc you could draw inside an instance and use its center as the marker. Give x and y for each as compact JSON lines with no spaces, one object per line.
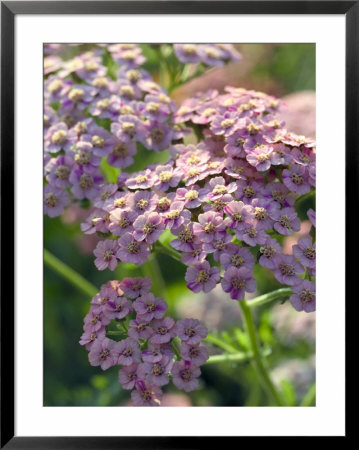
{"x":148,"y":352}
{"x":225,"y":200}
{"x":208,"y":54}
{"x":89,"y":117}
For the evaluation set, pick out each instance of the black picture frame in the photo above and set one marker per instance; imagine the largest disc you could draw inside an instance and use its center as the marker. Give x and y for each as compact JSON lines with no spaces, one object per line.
{"x":9,"y":10}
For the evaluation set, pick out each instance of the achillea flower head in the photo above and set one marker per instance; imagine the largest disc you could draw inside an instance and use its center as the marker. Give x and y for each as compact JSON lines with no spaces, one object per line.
{"x":303,"y":298}
{"x":148,"y":307}
{"x":190,"y":331}
{"x":237,"y":281}
{"x":202,"y":277}
{"x":304,"y":251}
{"x":146,"y":355}
{"x":185,"y":375}
{"x":228,"y":194}
{"x":104,"y":353}
{"x":105,"y":253}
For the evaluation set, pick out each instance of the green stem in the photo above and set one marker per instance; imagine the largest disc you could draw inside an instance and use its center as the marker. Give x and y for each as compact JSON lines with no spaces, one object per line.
{"x":257,"y":362}
{"x":176,"y":348}
{"x":114,"y":333}
{"x":270,"y":296}
{"x":233,"y":357}
{"x":161,"y":248}
{"x":69,"y":274}
{"x":221,"y":344}
{"x":187,"y":76}
{"x":305,"y":196}
{"x":123,"y":325}
{"x":152,"y":269}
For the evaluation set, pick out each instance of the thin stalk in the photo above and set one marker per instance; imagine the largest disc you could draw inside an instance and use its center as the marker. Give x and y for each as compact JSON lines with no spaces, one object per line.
{"x":270,"y":296}
{"x":305,"y":196}
{"x":221,"y":344}
{"x":152,"y":269}
{"x":161,"y":248}
{"x":69,"y":274}
{"x":114,"y":333}
{"x":233,"y":357}
{"x":176,"y":348}
{"x":122,"y":325}
{"x":257,"y":362}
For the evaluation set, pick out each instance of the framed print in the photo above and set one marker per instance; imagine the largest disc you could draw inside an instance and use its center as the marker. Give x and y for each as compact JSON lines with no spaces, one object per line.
{"x":170,"y":276}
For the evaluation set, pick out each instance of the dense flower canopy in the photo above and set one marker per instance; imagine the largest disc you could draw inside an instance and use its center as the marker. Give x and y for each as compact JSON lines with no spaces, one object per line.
{"x":224,"y":199}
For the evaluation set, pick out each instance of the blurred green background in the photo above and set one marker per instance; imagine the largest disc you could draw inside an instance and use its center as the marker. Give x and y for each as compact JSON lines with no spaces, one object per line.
{"x":283,"y":70}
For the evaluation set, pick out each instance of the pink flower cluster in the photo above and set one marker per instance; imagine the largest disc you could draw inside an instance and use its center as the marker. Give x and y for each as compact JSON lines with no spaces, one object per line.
{"x":224,"y":200}
{"x":89,"y":117}
{"x":227,"y":194}
{"x":148,"y":351}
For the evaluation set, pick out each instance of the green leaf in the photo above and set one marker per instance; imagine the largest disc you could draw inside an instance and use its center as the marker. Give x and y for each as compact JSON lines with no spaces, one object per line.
{"x":110,"y":173}
{"x":112,"y":67}
{"x":288,"y":393}
{"x":242,"y":338}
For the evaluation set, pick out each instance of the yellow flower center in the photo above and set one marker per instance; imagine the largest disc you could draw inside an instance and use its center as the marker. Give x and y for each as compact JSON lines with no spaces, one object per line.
{"x":227,"y":123}
{"x":153,"y":107}
{"x":189,"y":49}
{"x":100,"y":82}
{"x":55,"y":86}
{"x":76,"y":95}
{"x":59,"y":137}
{"x":103,"y":104}
{"x":98,"y":141}
{"x":128,"y":127}
{"x":193,"y":160}
{"x":165,"y":176}
{"x":82,"y":157}
{"x":127,"y":91}
{"x":133,"y":75}
{"x":141,"y":179}
{"x":260,"y":213}
{"x":208,"y":112}
{"x":252,"y":129}
{"x":219,"y":189}
{"x":163,"y":204}
{"x":91,"y":66}
{"x":174,"y":214}
{"x":191,"y":195}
